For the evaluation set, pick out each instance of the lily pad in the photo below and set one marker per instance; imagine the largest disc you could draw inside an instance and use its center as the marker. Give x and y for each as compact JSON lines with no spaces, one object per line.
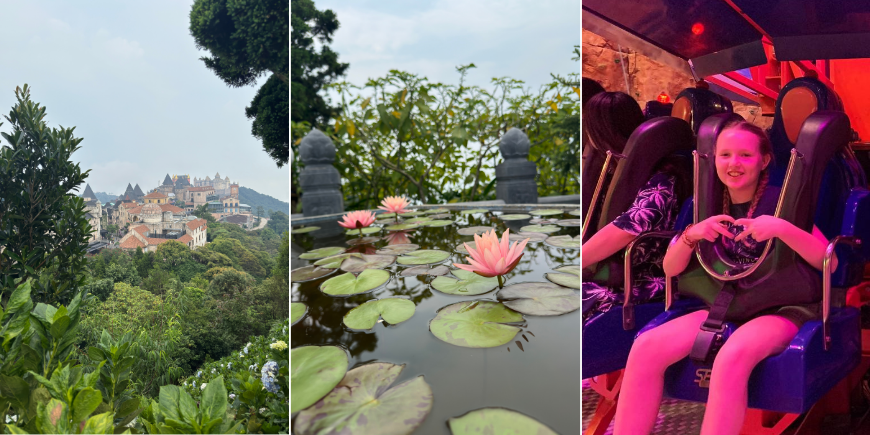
{"x":410,"y":213}
{"x":497,"y":421}
{"x":362,"y":240}
{"x":310,"y":273}
{"x":514,"y":217}
{"x":366,"y":230}
{"x":423,"y":256}
{"x":468,"y":284}
{"x":577,"y":212}
{"x":391,"y":221}
{"x":322,"y":253}
{"x":441,"y":216}
{"x":539,"y":299}
{"x":365,"y":262}
{"x":384,"y":215}
{"x":304,"y":230}
{"x":569,"y":222}
{"x":363,"y":404}
{"x":418,"y":220}
{"x":438,"y":210}
{"x":546,"y":229}
{"x":568,"y":276}
{"x":398,"y":249}
{"x":393,"y":310}
{"x":460,"y":248}
{"x":297,"y":312}
{"x":540,"y":221}
{"x":401,"y":227}
{"x":476,"y":210}
{"x":476,"y":324}
{"x":547,"y":212}
{"x":565,"y":242}
{"x":470,"y":231}
{"x":425,"y":270}
{"x":438,"y":223}
{"x":314,"y":372}
{"x":335,"y":261}
{"x":348,"y":284}
{"x":533,"y":237}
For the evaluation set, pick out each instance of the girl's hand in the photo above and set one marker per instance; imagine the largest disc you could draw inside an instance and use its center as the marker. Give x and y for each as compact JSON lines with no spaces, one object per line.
{"x":761,"y":228}
{"x":709,"y":229}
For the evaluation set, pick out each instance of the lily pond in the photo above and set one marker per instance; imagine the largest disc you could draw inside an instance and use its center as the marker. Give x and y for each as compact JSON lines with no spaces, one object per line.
{"x":389,"y":337}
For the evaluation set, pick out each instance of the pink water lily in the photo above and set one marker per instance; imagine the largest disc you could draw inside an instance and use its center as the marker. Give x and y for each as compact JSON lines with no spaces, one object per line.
{"x":394,"y":204}
{"x":492,"y":257}
{"x":357,"y":220}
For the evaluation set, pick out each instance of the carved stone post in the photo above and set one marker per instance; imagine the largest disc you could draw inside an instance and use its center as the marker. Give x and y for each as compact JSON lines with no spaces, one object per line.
{"x":516,"y":177}
{"x":320,"y":181}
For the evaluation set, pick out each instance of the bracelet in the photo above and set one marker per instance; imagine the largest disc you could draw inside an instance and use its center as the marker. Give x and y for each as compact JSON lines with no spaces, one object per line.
{"x":685,"y":238}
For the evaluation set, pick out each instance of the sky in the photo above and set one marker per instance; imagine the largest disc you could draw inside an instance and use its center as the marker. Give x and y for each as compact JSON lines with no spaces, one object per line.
{"x":127,"y":75}
{"x":525,"y":40}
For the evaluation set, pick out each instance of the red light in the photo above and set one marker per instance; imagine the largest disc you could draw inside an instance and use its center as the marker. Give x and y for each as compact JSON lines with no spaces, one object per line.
{"x":663,"y":98}
{"x":697,"y":28}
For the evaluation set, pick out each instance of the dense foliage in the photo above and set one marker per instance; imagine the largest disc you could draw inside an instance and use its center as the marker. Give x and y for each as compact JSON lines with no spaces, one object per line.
{"x":255,"y":199}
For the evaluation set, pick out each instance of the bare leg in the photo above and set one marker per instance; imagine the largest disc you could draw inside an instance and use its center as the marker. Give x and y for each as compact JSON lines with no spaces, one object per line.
{"x":652,"y":353}
{"x":747,"y":346}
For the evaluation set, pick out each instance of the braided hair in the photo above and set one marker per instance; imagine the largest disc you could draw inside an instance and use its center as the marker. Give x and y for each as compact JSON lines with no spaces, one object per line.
{"x":766,"y":148}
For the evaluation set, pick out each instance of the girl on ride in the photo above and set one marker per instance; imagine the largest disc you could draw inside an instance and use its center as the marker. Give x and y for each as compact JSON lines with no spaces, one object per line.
{"x":609,"y":118}
{"x":743,"y":156}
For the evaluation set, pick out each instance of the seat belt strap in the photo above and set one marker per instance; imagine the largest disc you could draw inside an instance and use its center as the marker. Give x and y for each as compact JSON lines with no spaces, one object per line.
{"x":709,"y":339}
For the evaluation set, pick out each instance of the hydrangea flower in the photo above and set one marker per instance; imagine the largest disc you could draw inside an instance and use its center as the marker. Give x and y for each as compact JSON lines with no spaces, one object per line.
{"x":198,"y":373}
{"x":229,"y":366}
{"x":202,"y":387}
{"x":278,"y":345}
{"x":268,"y":373}
{"x":241,"y":355}
{"x":212,"y":370}
{"x":232,"y":397}
{"x":246,"y":348}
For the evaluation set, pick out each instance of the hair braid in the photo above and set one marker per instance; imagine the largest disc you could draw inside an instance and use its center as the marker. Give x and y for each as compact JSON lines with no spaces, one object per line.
{"x":762,"y":184}
{"x":726,"y":201}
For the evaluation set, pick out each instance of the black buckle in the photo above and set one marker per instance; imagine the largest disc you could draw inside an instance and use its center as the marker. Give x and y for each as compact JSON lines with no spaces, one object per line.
{"x":707,"y":344}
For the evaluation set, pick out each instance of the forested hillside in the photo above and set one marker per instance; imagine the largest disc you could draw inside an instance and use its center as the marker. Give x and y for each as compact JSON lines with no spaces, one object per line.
{"x":254,"y":199}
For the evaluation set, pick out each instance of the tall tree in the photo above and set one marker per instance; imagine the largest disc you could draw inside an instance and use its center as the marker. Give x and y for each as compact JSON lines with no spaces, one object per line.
{"x":248,"y":40}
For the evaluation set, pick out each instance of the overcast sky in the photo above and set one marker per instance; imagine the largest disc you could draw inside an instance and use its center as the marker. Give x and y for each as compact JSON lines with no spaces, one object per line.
{"x":128,"y":76}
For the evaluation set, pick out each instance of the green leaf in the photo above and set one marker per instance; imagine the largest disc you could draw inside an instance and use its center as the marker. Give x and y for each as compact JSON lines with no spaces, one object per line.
{"x":475,"y":324}
{"x":304,"y":230}
{"x":546,"y":229}
{"x":348,"y":284}
{"x":496,"y":421}
{"x":53,"y":417}
{"x":393,"y":310}
{"x":564,"y":242}
{"x":533,"y":237}
{"x":334,"y":262}
{"x":314,"y":372}
{"x":95,"y":354}
{"x":425,"y":270}
{"x":169,"y":401}
{"x":424,"y":256}
{"x":514,"y":217}
{"x":59,"y":327}
{"x":312,"y":272}
{"x":15,"y":429}
{"x":470,"y":231}
{"x":540,"y":299}
{"x":363,"y":262}
{"x":402,"y":227}
{"x":569,"y":276}
{"x":398,"y":249}
{"x":214,"y":400}
{"x":16,"y":389}
{"x":577,"y":212}
{"x":20,"y":299}
{"x":547,"y":212}
{"x":85,"y":403}
{"x":438,"y":223}
{"x":367,"y":230}
{"x":99,"y":424}
{"x":297,"y":312}
{"x":322,"y":253}
{"x":363,"y":403}
{"x":468,"y":284}
{"x":569,"y":222}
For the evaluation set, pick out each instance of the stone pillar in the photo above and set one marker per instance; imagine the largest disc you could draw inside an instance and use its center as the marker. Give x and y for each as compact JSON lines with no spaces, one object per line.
{"x":320,"y":181}
{"x":516,"y":178}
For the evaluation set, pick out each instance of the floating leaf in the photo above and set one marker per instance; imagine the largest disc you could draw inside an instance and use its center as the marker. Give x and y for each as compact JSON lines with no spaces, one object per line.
{"x":438,"y":223}
{"x":546,"y":229}
{"x":322,"y":253}
{"x":533,"y":237}
{"x":539,"y":221}
{"x":425,"y":270}
{"x":297,"y":312}
{"x":335,"y":261}
{"x":569,"y":222}
{"x":441,"y":216}
{"x":310,"y":273}
{"x":539,"y":298}
{"x":418,"y":220}
{"x":547,"y":212}
{"x":362,"y":240}
{"x":304,"y":230}
{"x":393,"y":310}
{"x":514,"y":217}
{"x":468,"y":284}
{"x":564,"y":242}
{"x":460,"y":248}
{"x":398,"y":249}
{"x":364,"y":262}
{"x":576,"y":213}
{"x":470,"y":231}
{"x":385,"y":215}
{"x":366,"y":230}
{"x":314,"y":372}
{"x":423,"y":256}
{"x":497,"y":421}
{"x":411,"y":213}
{"x":401,"y":227}
{"x":348,"y":284}
{"x":387,"y":221}
{"x":438,"y":210}
{"x":569,"y":276}
{"x":475,"y":324}
{"x":477,"y":210}
{"x":362,"y":404}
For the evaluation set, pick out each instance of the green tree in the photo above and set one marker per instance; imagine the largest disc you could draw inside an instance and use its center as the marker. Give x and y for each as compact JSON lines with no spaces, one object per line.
{"x":248,"y":40}
{"x":43,"y":229}
{"x":203,"y":213}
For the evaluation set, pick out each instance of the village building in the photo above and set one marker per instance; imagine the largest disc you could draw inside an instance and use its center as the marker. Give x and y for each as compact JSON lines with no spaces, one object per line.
{"x":156,"y":198}
{"x":152,"y":224}
{"x":245,"y":221}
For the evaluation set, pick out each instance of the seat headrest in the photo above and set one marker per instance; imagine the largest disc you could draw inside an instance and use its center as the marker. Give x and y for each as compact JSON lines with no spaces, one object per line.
{"x":648,"y":145}
{"x":694,"y":105}
{"x":593,"y":161}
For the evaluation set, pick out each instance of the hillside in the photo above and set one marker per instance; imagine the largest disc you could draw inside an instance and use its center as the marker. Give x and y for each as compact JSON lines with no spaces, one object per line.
{"x":254,"y":198}
{"x":105,"y":197}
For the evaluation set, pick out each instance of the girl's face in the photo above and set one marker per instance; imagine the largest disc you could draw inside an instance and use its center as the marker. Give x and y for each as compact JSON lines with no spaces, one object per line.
{"x":739,"y":161}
